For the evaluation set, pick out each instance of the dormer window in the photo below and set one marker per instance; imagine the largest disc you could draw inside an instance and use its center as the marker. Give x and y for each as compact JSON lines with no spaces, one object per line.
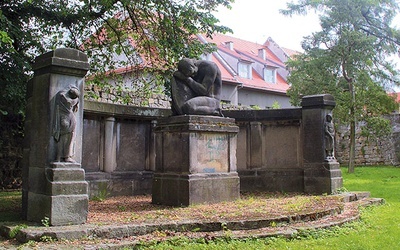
{"x":206,"y":57}
{"x":270,"y":75}
{"x":244,"y":70}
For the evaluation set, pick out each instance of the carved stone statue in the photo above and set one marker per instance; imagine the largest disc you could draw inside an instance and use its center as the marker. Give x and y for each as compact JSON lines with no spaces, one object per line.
{"x":196,"y":88}
{"x":329,"y":138}
{"x":65,"y":122}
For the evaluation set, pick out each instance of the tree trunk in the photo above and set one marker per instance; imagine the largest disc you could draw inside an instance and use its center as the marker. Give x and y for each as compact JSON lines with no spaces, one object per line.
{"x":352,"y":146}
{"x":352,"y":152}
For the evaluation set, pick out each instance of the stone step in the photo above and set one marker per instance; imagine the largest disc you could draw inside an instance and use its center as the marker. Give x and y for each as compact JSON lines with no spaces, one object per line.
{"x":354,"y":196}
{"x":131,"y":234}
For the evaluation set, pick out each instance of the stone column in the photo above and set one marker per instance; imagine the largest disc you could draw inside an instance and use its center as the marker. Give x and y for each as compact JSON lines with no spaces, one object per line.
{"x":54,"y":185}
{"x":321,"y":170}
{"x":196,"y":160}
{"x":110,"y":142}
{"x":255,"y":147}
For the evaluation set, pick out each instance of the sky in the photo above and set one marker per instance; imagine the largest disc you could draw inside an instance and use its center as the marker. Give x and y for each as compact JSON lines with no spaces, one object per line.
{"x":256,"y":20}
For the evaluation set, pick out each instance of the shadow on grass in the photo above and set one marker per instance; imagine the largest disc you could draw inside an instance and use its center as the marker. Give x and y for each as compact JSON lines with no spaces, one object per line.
{"x":11,"y":206}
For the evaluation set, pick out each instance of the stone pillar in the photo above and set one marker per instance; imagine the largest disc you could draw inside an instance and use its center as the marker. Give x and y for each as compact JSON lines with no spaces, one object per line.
{"x":54,"y":185}
{"x":255,"y":147}
{"x":196,"y":160}
{"x":110,"y":142}
{"x":321,"y":170}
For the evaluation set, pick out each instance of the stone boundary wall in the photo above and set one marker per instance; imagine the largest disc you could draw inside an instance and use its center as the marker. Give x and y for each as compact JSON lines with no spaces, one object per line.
{"x":269,"y":150}
{"x":119,"y":148}
{"x":370,"y":150}
{"x":113,"y":96}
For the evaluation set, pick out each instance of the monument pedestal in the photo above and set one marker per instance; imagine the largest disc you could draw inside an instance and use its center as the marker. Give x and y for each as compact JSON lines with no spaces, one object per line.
{"x":322,"y":172}
{"x":54,"y":190}
{"x":65,"y":200}
{"x":325,"y":176}
{"x":196,"y":161}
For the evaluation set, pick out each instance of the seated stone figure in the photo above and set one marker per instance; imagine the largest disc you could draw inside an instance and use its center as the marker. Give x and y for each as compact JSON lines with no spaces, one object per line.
{"x":196,"y":88}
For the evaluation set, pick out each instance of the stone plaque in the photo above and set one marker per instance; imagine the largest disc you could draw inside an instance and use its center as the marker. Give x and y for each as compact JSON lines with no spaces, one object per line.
{"x":214,"y":158}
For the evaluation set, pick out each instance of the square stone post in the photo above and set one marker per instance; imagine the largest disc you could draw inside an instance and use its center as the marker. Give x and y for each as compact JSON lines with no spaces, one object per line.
{"x":54,"y":185}
{"x":321,"y":170}
{"x":195,"y":161}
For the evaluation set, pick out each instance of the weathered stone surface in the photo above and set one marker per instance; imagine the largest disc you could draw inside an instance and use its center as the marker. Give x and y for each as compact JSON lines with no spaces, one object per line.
{"x":119,"y":183}
{"x":197,"y":123}
{"x":65,"y":174}
{"x":196,"y":161}
{"x":321,"y":173}
{"x":370,"y":150}
{"x":318,"y":101}
{"x":269,"y":149}
{"x":186,"y":190}
{"x":63,"y":61}
{"x":56,"y":190}
{"x":125,"y":110}
{"x":69,"y":209}
{"x":322,"y":178}
{"x":272,"y":180}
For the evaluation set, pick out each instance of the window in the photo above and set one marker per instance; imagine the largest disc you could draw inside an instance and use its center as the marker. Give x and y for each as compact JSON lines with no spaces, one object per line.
{"x":244,"y":70}
{"x":206,"y":57}
{"x":270,"y":75}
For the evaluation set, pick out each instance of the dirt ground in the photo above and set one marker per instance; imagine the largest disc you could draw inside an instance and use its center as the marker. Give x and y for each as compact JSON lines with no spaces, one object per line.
{"x":139,"y":209}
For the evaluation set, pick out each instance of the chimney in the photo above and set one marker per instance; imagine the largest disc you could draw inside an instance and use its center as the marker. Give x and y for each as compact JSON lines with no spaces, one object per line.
{"x":262,"y":53}
{"x":229,"y":44}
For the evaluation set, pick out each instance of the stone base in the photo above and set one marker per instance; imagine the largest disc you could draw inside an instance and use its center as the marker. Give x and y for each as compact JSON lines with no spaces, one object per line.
{"x":119,"y":183}
{"x":60,"y":209}
{"x":186,"y":190}
{"x":65,"y":201}
{"x":196,"y":160}
{"x":323,"y":178}
{"x":271,"y":180}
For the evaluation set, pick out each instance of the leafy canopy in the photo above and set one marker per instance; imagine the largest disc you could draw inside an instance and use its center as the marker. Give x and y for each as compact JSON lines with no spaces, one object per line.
{"x":102,"y":28}
{"x":349,"y":56}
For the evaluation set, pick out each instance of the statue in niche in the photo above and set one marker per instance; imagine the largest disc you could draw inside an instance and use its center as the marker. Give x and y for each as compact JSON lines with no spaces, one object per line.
{"x":196,"y":88}
{"x":67,"y":101}
{"x":329,"y":138}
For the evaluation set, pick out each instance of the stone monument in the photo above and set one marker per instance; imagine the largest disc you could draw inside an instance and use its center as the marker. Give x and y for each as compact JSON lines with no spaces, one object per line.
{"x":54,"y":185}
{"x":322,"y":172}
{"x":196,"y":147}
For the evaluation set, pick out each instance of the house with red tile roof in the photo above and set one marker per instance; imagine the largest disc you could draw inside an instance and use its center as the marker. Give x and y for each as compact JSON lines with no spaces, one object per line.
{"x":252,"y":74}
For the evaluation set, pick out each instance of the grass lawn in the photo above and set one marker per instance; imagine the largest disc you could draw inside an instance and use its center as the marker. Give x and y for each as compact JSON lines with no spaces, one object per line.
{"x":10,"y":206}
{"x":379,"y":227}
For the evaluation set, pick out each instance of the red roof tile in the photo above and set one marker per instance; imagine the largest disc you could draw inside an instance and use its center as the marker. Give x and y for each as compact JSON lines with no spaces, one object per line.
{"x":245,"y":50}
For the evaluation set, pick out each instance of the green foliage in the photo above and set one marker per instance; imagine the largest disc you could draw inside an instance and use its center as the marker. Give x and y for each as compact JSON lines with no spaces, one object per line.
{"x":377,"y":229}
{"x":348,"y":58}
{"x":13,"y":233}
{"x":45,"y":221}
{"x":10,"y":209}
{"x":276,"y":105}
{"x":149,"y":38}
{"x":46,"y":238}
{"x":145,"y":37}
{"x":102,"y":193}
{"x":255,"y":107}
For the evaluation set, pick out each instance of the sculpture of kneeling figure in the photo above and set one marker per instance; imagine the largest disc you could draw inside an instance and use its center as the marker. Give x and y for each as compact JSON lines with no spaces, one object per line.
{"x":196,"y":88}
